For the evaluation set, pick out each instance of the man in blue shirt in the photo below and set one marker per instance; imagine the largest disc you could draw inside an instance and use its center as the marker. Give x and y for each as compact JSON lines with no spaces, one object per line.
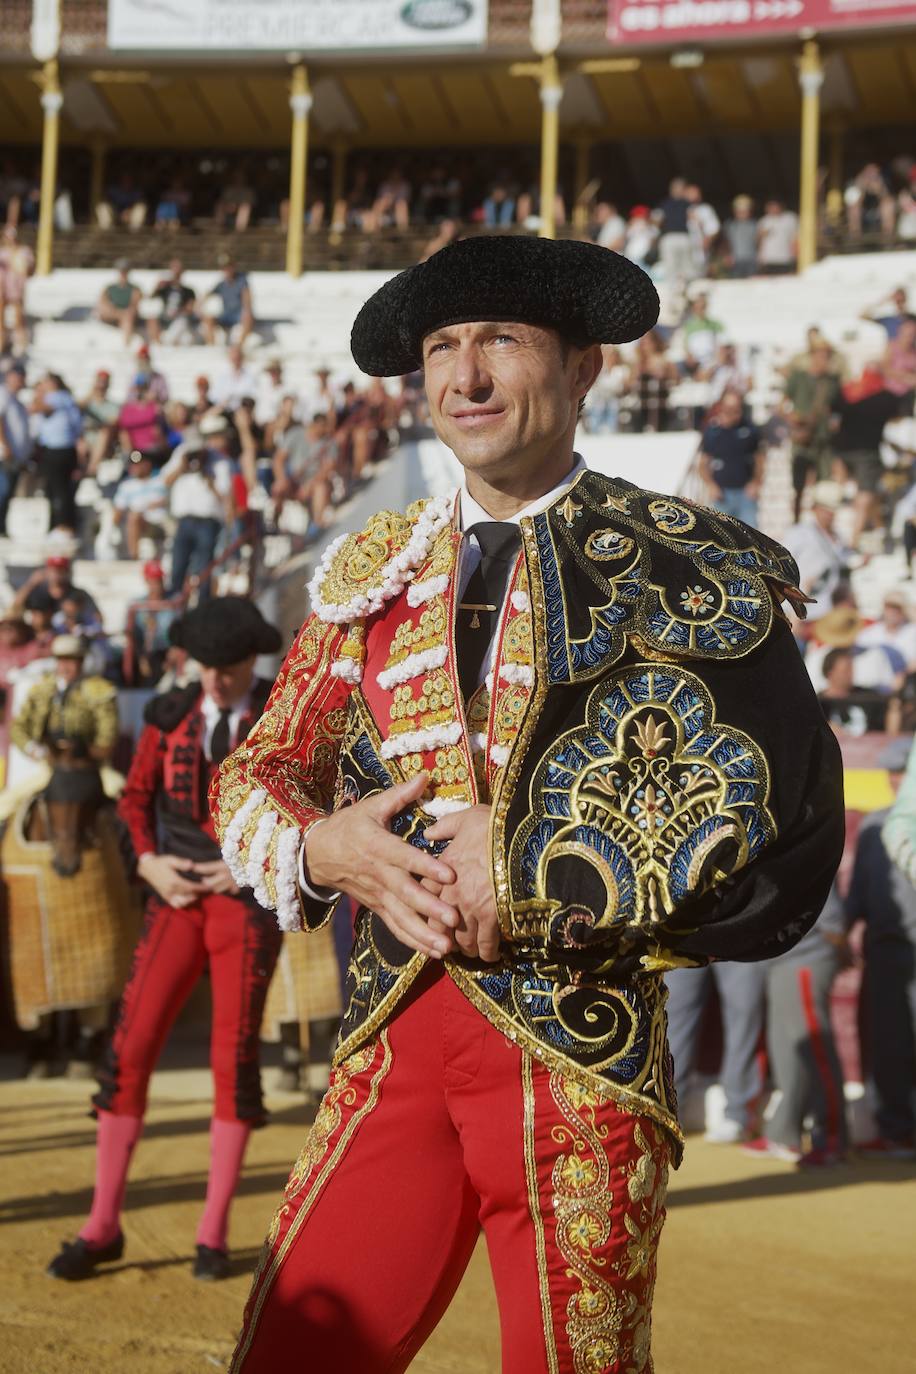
{"x":230,"y":301}
{"x":890,"y":323}
{"x":731,"y":460}
{"x":59,"y":428}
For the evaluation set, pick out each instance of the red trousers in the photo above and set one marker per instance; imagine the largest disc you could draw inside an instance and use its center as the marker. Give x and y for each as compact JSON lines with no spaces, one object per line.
{"x":437,"y":1127}
{"x":241,"y":944}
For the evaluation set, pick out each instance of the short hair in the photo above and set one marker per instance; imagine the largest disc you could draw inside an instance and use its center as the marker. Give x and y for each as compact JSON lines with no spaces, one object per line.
{"x":832,"y":658}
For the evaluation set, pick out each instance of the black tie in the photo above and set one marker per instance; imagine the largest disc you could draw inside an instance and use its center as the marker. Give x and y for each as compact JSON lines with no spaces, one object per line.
{"x":219,"y":740}
{"x":478,"y":610}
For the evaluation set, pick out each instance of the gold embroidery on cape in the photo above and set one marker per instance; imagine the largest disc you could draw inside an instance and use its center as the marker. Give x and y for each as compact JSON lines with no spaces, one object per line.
{"x":357,"y":563}
{"x":435,"y":704}
{"x":429,"y":633}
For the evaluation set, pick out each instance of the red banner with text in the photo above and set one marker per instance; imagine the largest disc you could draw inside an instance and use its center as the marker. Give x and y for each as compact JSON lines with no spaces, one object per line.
{"x":692,"y":21}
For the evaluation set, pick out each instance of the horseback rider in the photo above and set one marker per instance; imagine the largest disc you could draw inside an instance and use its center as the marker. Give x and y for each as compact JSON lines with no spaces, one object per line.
{"x":69,"y":720}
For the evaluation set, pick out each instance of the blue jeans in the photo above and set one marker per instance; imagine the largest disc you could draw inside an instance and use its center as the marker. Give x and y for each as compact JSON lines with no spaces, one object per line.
{"x":195,"y":544}
{"x":9,"y":476}
{"x":735,"y":501}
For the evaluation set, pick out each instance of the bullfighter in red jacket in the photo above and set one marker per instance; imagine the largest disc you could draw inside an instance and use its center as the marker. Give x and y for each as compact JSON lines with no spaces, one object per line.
{"x":195,"y":917}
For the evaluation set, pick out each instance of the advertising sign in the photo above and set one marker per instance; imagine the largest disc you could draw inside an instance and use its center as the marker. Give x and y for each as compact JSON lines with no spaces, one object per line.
{"x":639,"y":22}
{"x":295,"y":25}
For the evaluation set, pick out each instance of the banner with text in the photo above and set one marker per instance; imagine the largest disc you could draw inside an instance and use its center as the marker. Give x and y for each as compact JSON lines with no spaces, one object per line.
{"x":692,"y":21}
{"x":295,"y":25}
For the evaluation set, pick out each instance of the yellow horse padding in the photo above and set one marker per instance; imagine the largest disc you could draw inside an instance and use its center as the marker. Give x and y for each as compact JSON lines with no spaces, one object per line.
{"x":305,"y":986}
{"x":69,"y":939}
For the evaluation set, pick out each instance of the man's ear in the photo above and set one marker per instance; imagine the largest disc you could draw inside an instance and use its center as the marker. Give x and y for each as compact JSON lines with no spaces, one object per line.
{"x":587,"y":369}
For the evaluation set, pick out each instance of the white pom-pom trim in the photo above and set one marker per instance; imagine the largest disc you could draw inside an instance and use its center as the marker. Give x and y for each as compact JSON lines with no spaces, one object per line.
{"x":233,"y":836}
{"x":518,"y":674}
{"x":412,"y":666}
{"x":289,"y":914}
{"x":418,"y":593}
{"x":418,"y":741}
{"x":349,"y":669}
{"x":499,"y":753}
{"x":488,"y":683}
{"x":257,"y":855}
{"x":393,"y":575}
{"x":444,"y":806}
{"x":521,"y":601}
{"x":478,"y":740}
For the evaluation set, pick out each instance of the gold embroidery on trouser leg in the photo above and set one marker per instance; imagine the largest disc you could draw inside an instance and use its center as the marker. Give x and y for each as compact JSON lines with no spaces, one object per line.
{"x":314,"y":1167}
{"x":607,"y":1327}
{"x":534,"y":1208}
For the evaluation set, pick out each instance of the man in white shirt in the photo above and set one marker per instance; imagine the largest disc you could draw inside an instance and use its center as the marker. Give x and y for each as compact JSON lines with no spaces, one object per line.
{"x":15,"y":436}
{"x":235,"y":382}
{"x":895,"y":630}
{"x":777,"y":239}
{"x":818,"y":550}
{"x":199,"y":481}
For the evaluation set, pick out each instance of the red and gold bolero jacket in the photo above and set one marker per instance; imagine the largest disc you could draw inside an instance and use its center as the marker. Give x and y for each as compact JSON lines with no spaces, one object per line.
{"x":664,"y":788}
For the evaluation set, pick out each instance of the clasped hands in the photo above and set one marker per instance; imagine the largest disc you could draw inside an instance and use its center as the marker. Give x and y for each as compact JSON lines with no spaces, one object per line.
{"x":436,"y":906}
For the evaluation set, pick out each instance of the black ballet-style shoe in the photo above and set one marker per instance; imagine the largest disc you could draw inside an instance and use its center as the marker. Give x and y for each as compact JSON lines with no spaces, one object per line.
{"x":210,"y":1265}
{"x":78,"y":1259}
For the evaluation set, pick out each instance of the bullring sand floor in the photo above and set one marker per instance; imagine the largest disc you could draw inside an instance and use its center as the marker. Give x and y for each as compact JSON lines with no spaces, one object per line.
{"x":762,"y":1268}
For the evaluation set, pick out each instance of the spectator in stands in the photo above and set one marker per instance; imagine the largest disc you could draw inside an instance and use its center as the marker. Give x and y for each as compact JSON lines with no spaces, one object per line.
{"x":236,"y":205}
{"x":602,"y":413}
{"x":17,"y":263}
{"x":439,"y":197}
{"x":865,"y":408}
{"x":446,"y":233}
{"x":172,"y":207}
{"x":899,"y":364}
{"x":906,"y":215}
{"x":741,"y":238}
{"x":234,"y":381}
{"x":392,"y":202}
{"x":878,"y":669}
{"x":177,"y":321}
{"x":674,"y":247}
{"x":140,"y":503}
{"x":149,"y":627}
{"x":147,"y":379}
{"x":895,"y":630}
{"x":15,"y":437}
{"x":729,"y":373}
{"x":812,"y":404}
{"x":814,"y":340}
{"x":199,"y":478}
{"x":732,"y":459}
{"x":59,"y":428}
{"x":40,"y":613}
{"x":203,"y":401}
{"x":78,"y":618}
{"x":642,"y":235}
{"x":46,"y":587}
{"x":354,"y":211}
{"x":703,"y":227}
{"x":849,"y":709}
{"x":610,"y":229}
{"x":890,"y":321}
{"x":119,"y":302}
{"x":125,"y":204}
{"x":818,"y":550}
{"x":882,"y":893}
{"x":231,"y":302}
{"x":699,"y":337}
{"x":13,"y":190}
{"x":141,"y":427}
{"x":269,"y":395}
{"x":304,"y":462}
{"x":18,"y":647}
{"x":870,"y":205}
{"x":100,"y":422}
{"x":499,"y":207}
{"x":777,"y":239}
{"x":802,"y":1053}
{"x":652,"y":375}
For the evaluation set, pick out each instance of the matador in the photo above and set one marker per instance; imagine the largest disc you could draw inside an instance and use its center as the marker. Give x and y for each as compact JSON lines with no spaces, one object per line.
{"x":552,"y":736}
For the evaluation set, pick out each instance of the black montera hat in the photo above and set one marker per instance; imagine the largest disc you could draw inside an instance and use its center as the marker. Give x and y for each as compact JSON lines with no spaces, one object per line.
{"x":587,"y":293}
{"x":224,"y":630}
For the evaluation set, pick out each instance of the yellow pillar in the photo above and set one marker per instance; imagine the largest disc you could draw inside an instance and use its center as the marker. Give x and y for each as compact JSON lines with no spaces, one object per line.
{"x":551,"y":94}
{"x":583,"y":166}
{"x":300,"y":102}
{"x":96,"y":177}
{"x":811,"y":78}
{"x":51,"y":101}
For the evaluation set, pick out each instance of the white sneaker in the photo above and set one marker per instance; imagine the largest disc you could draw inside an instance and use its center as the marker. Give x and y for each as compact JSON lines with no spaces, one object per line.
{"x":727,"y":1132}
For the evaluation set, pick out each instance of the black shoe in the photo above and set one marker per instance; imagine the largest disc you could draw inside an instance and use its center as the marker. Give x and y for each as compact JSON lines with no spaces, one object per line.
{"x":210,"y":1264}
{"x":77,"y":1259}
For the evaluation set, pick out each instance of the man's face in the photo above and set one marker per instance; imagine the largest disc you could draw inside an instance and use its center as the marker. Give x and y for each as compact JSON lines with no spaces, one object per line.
{"x":729,"y":411}
{"x":825,"y":516}
{"x":840,"y":675}
{"x":226,"y":686}
{"x":14,"y":381}
{"x":501,"y":396}
{"x":894,"y":615}
{"x":176,"y":268}
{"x":69,"y":669}
{"x":820,"y":357}
{"x":58,"y":580}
